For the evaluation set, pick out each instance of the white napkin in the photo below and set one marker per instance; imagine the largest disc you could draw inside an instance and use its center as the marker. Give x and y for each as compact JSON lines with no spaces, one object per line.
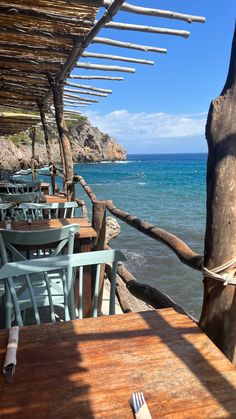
{"x":10,"y":358}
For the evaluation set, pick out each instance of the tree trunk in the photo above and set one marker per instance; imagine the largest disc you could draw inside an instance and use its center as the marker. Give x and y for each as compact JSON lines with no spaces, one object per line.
{"x":57,"y":90}
{"x":49,"y":156}
{"x":218,"y":317}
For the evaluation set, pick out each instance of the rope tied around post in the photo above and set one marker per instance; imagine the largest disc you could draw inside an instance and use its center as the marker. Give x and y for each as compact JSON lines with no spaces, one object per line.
{"x":227,"y":278}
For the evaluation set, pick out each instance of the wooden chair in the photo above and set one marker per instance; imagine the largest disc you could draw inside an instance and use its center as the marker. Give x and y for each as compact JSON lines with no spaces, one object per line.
{"x":16,"y":246}
{"x":10,"y":273}
{"x":48,"y":211}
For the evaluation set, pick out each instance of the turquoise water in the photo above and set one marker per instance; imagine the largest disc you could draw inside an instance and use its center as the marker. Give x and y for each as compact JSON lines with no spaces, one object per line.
{"x":168,"y":191}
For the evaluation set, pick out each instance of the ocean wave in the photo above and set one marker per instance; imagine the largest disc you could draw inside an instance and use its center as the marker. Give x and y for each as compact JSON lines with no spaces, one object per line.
{"x":142,"y":183}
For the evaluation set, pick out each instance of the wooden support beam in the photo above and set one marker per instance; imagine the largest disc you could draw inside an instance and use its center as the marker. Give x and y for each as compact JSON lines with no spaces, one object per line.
{"x":89,"y":66}
{"x":218,"y":317}
{"x":33,"y":139}
{"x":82,"y":44}
{"x":127,"y":45}
{"x":76,"y":77}
{"x":167,"y":14}
{"x":52,"y":170}
{"x":83,"y":86}
{"x":69,"y":104}
{"x":150,"y":29}
{"x":81,"y":99}
{"x":116,"y":58}
{"x":57,"y":90}
{"x":85,"y":92}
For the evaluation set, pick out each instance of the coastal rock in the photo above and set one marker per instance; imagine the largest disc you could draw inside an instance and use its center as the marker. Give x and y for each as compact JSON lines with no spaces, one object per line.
{"x":88,"y":144}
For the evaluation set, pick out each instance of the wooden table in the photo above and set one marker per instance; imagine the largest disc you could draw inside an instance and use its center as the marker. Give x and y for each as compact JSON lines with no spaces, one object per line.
{"x":89,"y":369}
{"x":83,"y":242}
{"x":49,"y":199}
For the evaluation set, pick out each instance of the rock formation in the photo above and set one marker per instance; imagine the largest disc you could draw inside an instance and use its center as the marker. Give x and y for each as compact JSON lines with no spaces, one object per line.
{"x":88,"y":145}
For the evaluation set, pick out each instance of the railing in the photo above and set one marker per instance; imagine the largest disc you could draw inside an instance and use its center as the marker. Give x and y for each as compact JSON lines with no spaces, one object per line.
{"x":144,"y":292}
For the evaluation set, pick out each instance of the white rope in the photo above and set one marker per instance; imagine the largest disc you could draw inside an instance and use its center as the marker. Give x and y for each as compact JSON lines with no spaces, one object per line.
{"x":227,"y":278}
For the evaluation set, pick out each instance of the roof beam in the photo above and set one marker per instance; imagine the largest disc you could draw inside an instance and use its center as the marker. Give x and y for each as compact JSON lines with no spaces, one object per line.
{"x":89,"y":66}
{"x":130,"y":8}
{"x":151,"y":29}
{"x":67,"y":95}
{"x":80,"y":46}
{"x":85,"y":92}
{"x":127,"y":45}
{"x":83,"y":86}
{"x":77,"y":77}
{"x":116,"y":58}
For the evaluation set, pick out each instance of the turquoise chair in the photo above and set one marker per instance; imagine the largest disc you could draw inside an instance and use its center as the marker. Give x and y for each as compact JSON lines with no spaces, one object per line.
{"x":5,"y":209}
{"x":16,"y":246}
{"x":18,"y":198}
{"x":10,"y":273}
{"x":49,"y":211}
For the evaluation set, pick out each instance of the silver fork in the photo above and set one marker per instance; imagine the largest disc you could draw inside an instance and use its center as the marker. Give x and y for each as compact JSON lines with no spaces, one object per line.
{"x":139,"y":406}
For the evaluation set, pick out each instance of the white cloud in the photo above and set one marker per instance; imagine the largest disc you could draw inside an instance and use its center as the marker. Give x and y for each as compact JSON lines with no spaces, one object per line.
{"x":126,"y":126}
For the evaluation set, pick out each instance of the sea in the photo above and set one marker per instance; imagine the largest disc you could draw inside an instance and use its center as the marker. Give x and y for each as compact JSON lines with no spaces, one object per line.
{"x":169,"y":191}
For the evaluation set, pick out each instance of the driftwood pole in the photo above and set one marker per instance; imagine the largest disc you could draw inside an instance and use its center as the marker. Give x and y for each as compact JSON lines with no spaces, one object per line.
{"x":99,"y":225}
{"x":57,"y":91}
{"x":218,"y":317}
{"x":33,"y":138}
{"x":48,"y":150}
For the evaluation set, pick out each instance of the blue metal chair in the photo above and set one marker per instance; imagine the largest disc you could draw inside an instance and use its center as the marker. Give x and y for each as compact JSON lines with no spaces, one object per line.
{"x":22,"y":245}
{"x":10,"y":273}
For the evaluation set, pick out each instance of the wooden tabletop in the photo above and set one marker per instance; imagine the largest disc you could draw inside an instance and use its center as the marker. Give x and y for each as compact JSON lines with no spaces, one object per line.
{"x":89,"y":369}
{"x":86,"y":230}
{"x":49,"y":199}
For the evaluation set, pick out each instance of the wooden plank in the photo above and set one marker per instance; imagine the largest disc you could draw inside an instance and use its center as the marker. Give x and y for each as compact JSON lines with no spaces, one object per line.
{"x":89,"y":369}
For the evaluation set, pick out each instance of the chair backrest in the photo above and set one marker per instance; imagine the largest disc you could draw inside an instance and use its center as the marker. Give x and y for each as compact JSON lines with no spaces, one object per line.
{"x":18,"y":198}
{"x":6,"y":209}
{"x":18,"y":245}
{"x":48,"y":211}
{"x":11,"y":271}
{"x":31,"y":187}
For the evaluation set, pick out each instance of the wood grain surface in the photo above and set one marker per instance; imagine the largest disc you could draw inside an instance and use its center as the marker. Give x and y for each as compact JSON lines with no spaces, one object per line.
{"x":89,"y":369}
{"x":86,"y":230}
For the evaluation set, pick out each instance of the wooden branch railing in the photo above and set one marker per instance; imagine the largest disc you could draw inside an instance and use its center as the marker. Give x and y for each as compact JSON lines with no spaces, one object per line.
{"x":181,"y":249}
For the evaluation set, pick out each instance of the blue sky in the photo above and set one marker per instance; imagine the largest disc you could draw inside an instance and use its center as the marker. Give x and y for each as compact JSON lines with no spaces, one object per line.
{"x":163,"y":108}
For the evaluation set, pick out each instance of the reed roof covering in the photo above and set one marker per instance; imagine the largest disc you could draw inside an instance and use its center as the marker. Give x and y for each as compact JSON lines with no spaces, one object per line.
{"x":37,"y":37}
{"x":13,"y":123}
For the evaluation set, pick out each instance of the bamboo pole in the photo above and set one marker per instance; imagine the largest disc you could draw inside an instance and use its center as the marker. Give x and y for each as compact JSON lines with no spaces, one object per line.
{"x":52,"y":170}
{"x":81,"y":99}
{"x":127,"y":45}
{"x":57,"y":91}
{"x":218,"y":317}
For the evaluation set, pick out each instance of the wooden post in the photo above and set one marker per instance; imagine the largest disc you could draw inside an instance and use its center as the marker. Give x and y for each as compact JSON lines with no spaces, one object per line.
{"x":99,"y":225}
{"x":52,"y":170}
{"x":33,"y":138}
{"x":218,"y":317}
{"x":57,"y":90}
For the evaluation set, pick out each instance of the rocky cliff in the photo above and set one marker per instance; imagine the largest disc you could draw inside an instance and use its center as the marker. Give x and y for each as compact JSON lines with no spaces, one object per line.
{"x":88,"y":144}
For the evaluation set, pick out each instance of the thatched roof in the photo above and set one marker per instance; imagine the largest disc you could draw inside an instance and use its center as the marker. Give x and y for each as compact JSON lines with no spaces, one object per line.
{"x":37,"y":37}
